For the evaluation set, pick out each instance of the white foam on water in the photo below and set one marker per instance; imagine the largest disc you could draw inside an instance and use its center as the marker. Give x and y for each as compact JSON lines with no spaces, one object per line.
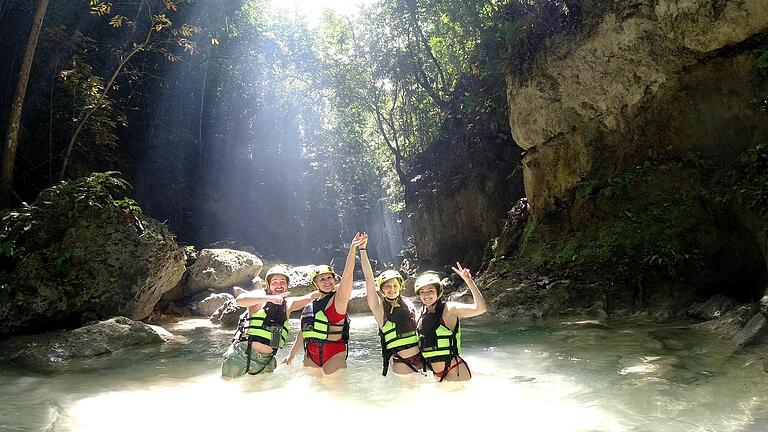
{"x":559,"y":379}
{"x":290,"y":398}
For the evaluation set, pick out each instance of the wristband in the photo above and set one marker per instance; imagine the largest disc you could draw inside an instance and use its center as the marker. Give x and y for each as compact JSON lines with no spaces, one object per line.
{"x":362,"y":249}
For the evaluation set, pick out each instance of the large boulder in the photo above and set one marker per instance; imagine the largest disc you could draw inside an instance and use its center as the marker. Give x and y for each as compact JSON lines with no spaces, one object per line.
{"x":222,"y":268}
{"x":53,"y":350}
{"x":212,"y":303}
{"x":232,"y":245}
{"x":358,"y":301}
{"x":228,"y":315}
{"x":78,"y":257}
{"x":301,"y":282}
{"x":520,"y":296}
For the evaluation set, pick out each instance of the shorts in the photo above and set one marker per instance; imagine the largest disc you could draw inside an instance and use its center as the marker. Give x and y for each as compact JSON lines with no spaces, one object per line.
{"x":235,"y":361}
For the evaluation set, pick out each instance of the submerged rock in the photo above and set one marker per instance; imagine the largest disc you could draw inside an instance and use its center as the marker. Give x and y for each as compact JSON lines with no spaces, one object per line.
{"x":713,"y":308}
{"x":754,"y":332}
{"x":51,"y":351}
{"x":730,"y":323}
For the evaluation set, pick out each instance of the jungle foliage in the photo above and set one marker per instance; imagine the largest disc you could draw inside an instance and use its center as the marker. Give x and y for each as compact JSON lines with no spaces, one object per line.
{"x":670,"y":217}
{"x":239,"y":118}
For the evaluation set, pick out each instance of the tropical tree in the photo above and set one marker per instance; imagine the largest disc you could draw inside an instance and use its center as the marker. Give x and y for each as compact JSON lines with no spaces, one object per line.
{"x":12,"y":138}
{"x":151,"y":29}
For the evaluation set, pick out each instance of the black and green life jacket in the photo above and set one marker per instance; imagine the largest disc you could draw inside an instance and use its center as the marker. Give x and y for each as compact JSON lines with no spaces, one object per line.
{"x":269,"y":325}
{"x":314,"y":323}
{"x":437,"y":342}
{"x":398,"y":332}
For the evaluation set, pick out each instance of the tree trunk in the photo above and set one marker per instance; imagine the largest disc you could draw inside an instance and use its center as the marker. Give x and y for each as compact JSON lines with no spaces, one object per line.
{"x":200,"y":119}
{"x":12,"y":139}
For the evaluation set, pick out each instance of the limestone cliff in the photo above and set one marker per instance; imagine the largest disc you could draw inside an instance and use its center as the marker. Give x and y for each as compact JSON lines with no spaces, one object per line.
{"x":644,"y":137}
{"x":465,"y":186}
{"x":676,"y":75}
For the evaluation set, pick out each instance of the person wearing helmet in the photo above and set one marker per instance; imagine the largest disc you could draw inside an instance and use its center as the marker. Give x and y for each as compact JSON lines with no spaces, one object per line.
{"x":439,"y":328}
{"x":324,"y":321}
{"x":263,"y":327}
{"x":395,"y":316}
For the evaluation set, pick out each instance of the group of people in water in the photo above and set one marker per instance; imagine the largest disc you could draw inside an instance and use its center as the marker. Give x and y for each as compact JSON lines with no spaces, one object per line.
{"x":413,"y":340}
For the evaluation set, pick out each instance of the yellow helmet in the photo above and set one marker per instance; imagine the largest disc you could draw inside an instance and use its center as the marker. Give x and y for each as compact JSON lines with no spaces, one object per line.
{"x":321,"y":269}
{"x":427,"y":279}
{"x":387,"y":275}
{"x":277,"y":270}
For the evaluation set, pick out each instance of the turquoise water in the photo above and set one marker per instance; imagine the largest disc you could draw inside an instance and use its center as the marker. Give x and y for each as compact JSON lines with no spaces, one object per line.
{"x":617,"y":376}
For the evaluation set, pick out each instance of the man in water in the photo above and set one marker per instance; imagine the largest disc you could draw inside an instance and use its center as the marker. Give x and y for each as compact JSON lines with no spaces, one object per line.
{"x":264,"y":327}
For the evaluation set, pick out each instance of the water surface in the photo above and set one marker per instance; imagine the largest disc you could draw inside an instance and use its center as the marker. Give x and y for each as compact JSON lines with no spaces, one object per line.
{"x":615,"y":376}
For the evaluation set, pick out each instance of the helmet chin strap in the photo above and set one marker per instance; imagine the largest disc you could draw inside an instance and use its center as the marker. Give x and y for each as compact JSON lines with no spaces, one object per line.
{"x":434,"y":304}
{"x":393,"y":303}
{"x":326,"y":292}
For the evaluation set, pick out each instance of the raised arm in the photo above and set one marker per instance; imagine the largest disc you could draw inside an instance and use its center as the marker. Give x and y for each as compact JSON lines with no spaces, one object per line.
{"x":347,"y":278}
{"x":252,"y":298}
{"x":374,"y":302}
{"x":477,"y":307}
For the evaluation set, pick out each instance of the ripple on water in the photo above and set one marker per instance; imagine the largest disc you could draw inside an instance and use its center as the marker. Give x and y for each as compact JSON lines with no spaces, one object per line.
{"x":543,"y":377}
{"x":19,"y":394}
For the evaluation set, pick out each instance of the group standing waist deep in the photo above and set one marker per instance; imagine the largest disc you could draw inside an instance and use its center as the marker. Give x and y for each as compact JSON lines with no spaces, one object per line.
{"x":413,"y":340}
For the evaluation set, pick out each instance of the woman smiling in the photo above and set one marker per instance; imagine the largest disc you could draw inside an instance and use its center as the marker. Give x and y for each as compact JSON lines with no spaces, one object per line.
{"x":395,"y":317}
{"x":439,"y":328}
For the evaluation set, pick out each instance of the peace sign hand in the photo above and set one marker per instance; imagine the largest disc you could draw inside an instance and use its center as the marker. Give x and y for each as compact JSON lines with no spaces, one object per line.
{"x":463,"y":272}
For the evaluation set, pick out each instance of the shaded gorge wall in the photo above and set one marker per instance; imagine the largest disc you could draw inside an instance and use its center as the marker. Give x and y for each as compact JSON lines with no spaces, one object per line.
{"x":645,"y":151}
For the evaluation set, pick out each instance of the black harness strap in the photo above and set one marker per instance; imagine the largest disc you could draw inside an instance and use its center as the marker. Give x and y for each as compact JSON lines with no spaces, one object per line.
{"x":386,"y":354}
{"x":459,"y":361}
{"x":407,"y":363}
